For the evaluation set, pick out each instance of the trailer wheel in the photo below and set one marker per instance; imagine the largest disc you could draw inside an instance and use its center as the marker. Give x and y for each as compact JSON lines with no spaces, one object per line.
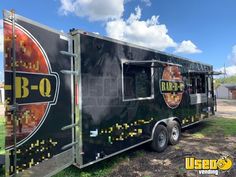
{"x":160,"y":138}
{"x":174,"y":131}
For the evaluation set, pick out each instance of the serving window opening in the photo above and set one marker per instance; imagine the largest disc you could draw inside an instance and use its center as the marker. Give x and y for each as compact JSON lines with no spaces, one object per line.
{"x":137,"y":81}
{"x":197,"y":83}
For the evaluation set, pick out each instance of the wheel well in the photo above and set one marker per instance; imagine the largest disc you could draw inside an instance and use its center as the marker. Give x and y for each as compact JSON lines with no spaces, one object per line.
{"x":157,"y":123}
{"x":177,"y":120}
{"x":162,"y":123}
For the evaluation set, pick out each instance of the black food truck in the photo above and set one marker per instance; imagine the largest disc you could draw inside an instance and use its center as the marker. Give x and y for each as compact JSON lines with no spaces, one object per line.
{"x":79,"y":98}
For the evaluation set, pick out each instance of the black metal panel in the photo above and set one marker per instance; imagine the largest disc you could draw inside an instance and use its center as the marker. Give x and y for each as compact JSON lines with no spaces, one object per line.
{"x":110,"y":124}
{"x":43,"y":94}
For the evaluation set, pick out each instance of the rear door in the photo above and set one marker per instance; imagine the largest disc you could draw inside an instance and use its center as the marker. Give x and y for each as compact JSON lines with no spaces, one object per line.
{"x":39,"y":112}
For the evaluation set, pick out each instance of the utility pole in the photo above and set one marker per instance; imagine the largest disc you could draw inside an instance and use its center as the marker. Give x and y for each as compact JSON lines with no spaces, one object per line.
{"x":224,"y":73}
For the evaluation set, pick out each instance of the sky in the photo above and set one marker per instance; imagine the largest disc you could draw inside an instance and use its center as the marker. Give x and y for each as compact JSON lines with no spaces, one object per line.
{"x":202,"y":30}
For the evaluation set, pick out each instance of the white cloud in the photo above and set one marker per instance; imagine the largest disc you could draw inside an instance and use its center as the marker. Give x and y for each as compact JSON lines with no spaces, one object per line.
{"x":93,"y":9}
{"x":147,"y":2}
{"x":232,"y":56}
{"x":149,"y":33}
{"x":97,"y":33}
{"x":1,"y":35}
{"x":230,"y":70}
{"x":187,"y":47}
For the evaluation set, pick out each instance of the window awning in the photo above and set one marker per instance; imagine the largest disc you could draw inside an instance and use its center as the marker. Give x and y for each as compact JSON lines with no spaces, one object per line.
{"x":205,"y":72}
{"x":149,"y":62}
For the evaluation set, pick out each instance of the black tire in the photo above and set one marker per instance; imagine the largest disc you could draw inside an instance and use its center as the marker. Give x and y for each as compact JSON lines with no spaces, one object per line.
{"x":174,"y":131}
{"x":160,"y":139}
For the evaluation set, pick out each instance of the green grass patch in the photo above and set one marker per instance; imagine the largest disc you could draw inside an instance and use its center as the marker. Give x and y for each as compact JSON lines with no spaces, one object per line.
{"x":217,"y":126}
{"x":2,"y":135}
{"x":139,"y":153}
{"x":198,"y":135}
{"x":100,"y":169}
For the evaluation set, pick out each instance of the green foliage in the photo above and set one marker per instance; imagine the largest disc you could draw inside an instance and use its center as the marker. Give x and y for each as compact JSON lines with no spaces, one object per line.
{"x":226,"y":80}
{"x":217,"y":83}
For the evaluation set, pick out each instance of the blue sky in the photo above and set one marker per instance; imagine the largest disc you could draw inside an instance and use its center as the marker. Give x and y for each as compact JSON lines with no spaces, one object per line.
{"x":200,"y":30}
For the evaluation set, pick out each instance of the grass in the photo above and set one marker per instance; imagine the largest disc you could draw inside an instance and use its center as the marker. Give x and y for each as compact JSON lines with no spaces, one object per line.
{"x":103,"y":168}
{"x":2,"y":135}
{"x":97,"y":170}
{"x":216,"y":126}
{"x":198,"y":135}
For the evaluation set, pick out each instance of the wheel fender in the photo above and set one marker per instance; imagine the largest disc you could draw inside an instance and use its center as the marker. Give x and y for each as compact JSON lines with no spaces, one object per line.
{"x":164,"y":122}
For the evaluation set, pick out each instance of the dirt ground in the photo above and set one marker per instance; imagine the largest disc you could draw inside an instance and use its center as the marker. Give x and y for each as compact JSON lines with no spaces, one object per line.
{"x":226,"y":108}
{"x":171,"y":162}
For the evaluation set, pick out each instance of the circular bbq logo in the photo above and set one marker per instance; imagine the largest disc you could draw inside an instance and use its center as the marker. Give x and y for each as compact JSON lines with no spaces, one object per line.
{"x":172,"y":86}
{"x":37,"y":86}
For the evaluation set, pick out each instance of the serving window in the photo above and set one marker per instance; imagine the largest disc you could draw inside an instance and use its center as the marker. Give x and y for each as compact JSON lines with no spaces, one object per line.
{"x":197,"y":83}
{"x":137,"y":81}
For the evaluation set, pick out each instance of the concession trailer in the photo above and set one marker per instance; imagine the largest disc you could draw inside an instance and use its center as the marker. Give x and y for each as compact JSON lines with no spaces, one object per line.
{"x":79,"y":98}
